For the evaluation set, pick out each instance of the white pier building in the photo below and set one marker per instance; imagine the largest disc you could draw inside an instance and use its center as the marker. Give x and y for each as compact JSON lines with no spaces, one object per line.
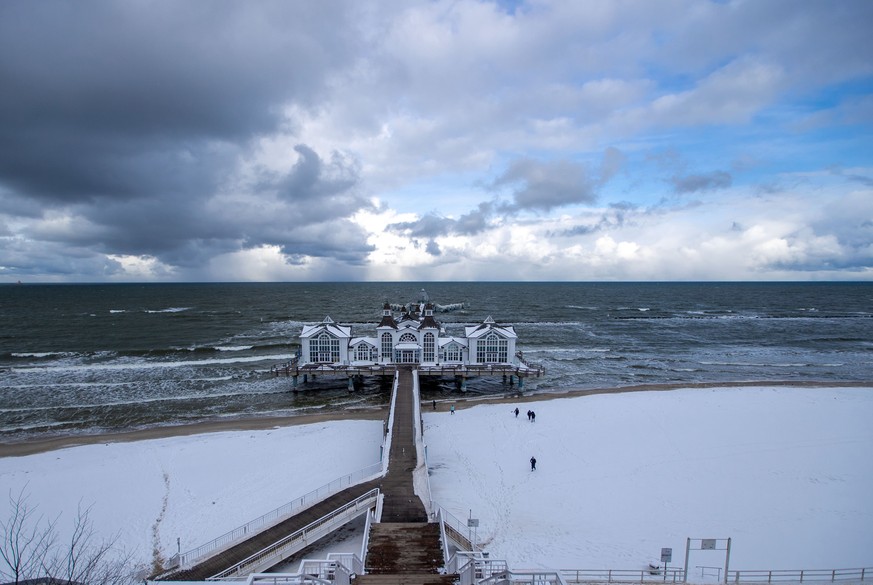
{"x":411,"y":338}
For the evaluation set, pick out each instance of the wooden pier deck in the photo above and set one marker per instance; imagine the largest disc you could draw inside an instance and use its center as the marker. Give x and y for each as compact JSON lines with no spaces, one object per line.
{"x":403,"y":548}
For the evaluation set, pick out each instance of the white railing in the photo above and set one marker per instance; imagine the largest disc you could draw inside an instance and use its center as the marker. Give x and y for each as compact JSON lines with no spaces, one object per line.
{"x":365,"y":541}
{"x":295,"y":541}
{"x":283,"y":579}
{"x":494,"y":572}
{"x":191,"y":557}
{"x":647,"y":575}
{"x":800,"y":576}
{"x":655,"y":575}
{"x":452,"y":523}
{"x":420,"y":475}
{"x":474,"y":568}
{"x":389,"y":435}
{"x":329,"y":571}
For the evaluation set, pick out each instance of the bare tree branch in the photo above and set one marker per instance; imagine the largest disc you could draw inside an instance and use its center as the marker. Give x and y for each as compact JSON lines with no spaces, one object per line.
{"x":29,"y":549}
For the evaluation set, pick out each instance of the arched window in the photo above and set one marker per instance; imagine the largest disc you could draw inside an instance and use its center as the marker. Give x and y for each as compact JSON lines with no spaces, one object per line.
{"x":324,"y":349}
{"x":362,"y":352}
{"x":408,"y":338}
{"x":492,"y":350}
{"x":453,"y":352}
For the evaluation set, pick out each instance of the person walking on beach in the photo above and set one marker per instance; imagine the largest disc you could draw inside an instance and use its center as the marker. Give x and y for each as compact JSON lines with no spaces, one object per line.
{"x":516,"y":412}
{"x":528,"y":414}
{"x":452,"y":409}
{"x":434,"y":404}
{"x":533,"y":416}
{"x":533,"y":463}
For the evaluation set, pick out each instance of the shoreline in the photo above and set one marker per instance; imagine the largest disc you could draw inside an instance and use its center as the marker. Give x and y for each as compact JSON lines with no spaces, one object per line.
{"x":35,"y":446}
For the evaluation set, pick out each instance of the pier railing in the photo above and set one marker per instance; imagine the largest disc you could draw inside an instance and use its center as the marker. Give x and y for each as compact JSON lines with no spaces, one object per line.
{"x":296,"y":541}
{"x":647,"y":575}
{"x":801,"y":576}
{"x":655,"y":575}
{"x":190,"y":558}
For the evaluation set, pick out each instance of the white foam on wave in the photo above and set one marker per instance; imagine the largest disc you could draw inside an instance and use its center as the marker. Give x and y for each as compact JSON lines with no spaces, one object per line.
{"x":142,"y":365}
{"x":169,"y":310}
{"x":233,"y":347}
{"x":42,"y":354}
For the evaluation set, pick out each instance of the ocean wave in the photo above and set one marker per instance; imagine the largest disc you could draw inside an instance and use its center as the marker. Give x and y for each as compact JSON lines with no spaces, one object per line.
{"x":42,"y":354}
{"x":233,"y":347}
{"x":136,"y":400}
{"x":168,"y":310}
{"x":760,"y":364}
{"x":145,"y":365}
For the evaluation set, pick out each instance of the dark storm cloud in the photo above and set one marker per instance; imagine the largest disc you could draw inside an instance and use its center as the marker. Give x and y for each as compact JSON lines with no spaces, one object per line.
{"x":705,"y":182}
{"x":130,"y":116}
{"x":99,"y":98}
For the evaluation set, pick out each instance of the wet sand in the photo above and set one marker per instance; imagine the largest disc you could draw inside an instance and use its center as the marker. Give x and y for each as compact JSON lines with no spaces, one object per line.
{"x":33,"y":446}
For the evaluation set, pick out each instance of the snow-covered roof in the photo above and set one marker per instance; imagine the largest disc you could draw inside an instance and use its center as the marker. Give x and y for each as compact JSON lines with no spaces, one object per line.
{"x":444,"y":341}
{"x":487,"y":326}
{"x":328,"y":325}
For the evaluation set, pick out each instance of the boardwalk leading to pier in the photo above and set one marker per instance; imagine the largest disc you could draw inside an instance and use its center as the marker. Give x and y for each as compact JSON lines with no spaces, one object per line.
{"x":404,"y":547}
{"x":401,"y":504}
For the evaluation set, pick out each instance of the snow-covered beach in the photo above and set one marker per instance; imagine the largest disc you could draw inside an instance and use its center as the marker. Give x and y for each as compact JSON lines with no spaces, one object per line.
{"x":785,"y":472}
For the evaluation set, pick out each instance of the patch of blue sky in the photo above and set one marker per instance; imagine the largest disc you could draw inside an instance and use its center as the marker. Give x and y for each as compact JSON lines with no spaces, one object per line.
{"x":836,"y":94}
{"x":448,"y":195}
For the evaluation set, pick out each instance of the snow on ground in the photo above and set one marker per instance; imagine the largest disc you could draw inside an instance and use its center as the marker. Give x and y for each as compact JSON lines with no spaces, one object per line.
{"x":785,"y":472}
{"x":194,"y":488}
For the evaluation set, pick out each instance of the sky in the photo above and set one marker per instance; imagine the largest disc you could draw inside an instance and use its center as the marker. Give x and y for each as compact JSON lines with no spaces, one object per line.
{"x":222,"y":140}
{"x":618,"y":478}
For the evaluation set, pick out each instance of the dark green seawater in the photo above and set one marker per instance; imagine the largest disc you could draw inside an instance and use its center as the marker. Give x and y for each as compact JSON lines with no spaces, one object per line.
{"x":90,"y":358}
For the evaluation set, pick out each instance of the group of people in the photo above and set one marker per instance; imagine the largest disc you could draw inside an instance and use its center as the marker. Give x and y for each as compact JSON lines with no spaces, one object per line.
{"x":532,"y":417}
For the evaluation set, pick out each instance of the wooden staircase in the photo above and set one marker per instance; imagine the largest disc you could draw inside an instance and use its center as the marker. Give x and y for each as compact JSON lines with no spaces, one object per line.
{"x":406,"y":553}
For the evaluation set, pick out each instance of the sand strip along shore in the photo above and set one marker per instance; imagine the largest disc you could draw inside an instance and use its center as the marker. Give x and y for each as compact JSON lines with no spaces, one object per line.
{"x":33,"y":446}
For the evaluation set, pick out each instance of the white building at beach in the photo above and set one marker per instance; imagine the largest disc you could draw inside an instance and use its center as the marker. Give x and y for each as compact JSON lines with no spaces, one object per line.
{"x":412,"y":337}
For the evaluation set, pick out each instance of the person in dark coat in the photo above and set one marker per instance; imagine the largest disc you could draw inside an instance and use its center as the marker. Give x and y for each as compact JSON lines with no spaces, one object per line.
{"x":533,"y":463}
{"x":516,"y":412}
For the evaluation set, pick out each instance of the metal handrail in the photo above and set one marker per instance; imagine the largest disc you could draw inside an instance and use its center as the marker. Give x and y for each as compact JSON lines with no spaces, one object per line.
{"x":799,"y":575}
{"x":191,"y":557}
{"x":648,"y":574}
{"x":276,"y":548}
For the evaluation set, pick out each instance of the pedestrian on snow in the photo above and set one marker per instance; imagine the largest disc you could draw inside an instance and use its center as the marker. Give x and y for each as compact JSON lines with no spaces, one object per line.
{"x":533,"y":463}
{"x":533,"y":416}
{"x":452,"y":409}
{"x":434,"y":404}
{"x":528,"y":414}
{"x":516,"y":412}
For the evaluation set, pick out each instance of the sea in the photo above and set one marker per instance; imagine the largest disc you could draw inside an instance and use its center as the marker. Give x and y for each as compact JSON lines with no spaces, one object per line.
{"x":95,"y":358}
